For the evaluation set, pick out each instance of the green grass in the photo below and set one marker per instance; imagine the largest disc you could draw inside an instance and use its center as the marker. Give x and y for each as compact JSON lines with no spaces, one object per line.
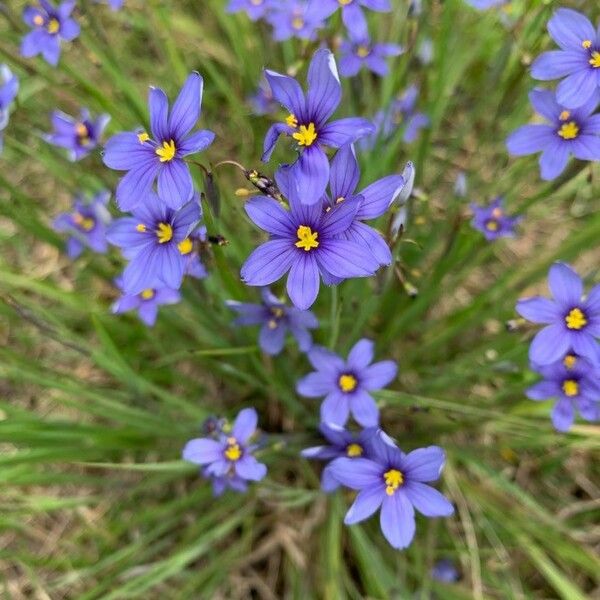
{"x":94,"y":501}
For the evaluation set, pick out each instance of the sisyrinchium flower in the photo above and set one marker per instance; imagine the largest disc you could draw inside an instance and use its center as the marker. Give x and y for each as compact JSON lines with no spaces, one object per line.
{"x":361,"y":52}
{"x":160,"y":156}
{"x":86,"y":224}
{"x":145,"y":302}
{"x":114,"y":4}
{"x":156,"y":241}
{"x":307,"y":123}
{"x":574,"y":383}
{"x":276,"y":320}
{"x":342,"y":442}
{"x":50,"y":25}
{"x":485,"y":4}
{"x":228,"y":460}
{"x":569,"y":132}
{"x":304,"y":242}
{"x":262,"y":100}
{"x":578,"y":59}
{"x":79,"y":136}
{"x":572,"y":320}
{"x":352,"y":12}
{"x":194,"y":267}
{"x":9,"y":86}
{"x":444,"y":570}
{"x":346,"y":383}
{"x":493,"y":221}
{"x":293,"y":18}
{"x":396,"y":483}
{"x":255,"y":9}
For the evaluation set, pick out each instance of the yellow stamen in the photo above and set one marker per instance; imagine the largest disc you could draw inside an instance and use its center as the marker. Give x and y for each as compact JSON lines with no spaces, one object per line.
{"x":497,"y":212}
{"x":564,"y":115}
{"x":85,"y":223}
{"x":339,"y":200}
{"x":307,"y":239}
{"x":143,"y":137}
{"x":587,"y":44}
{"x":185,"y":246}
{"x":233,"y":452}
{"x":570,"y":388}
{"x":166,"y":151}
{"x":291,"y":121}
{"x":53,"y":26}
{"x":354,"y":450}
{"x":492,"y":225}
{"x":569,"y":361}
{"x":595,"y":60}
{"x":272,"y":324}
{"x":81,"y":130}
{"x":141,"y":228}
{"x":569,"y":131}
{"x":344,"y":2}
{"x":393,"y":480}
{"x":164,"y":233}
{"x":256,"y":2}
{"x":277,"y":312}
{"x":576,"y":319}
{"x":347,"y":382}
{"x":147,"y":294}
{"x":297,"y":23}
{"x":305,"y":135}
{"x":38,"y":20}
{"x":363,"y":51}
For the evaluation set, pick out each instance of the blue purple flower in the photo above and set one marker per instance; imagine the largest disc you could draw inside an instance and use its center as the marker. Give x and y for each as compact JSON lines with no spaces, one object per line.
{"x":341,"y":443}
{"x":444,"y":570}
{"x":574,"y":383}
{"x":485,"y":4}
{"x":86,"y":224}
{"x":493,"y":221}
{"x":145,"y":302}
{"x":228,"y":460}
{"x":50,"y":25}
{"x":346,"y":383}
{"x":79,"y":136}
{"x":572,"y":320}
{"x":276,"y":320}
{"x":578,"y":59}
{"x":352,"y":13}
{"x":293,"y":18}
{"x":570,"y":132}
{"x":304,"y":241}
{"x":9,"y":86}
{"x":394,"y":482}
{"x":308,"y":124}
{"x":262,"y":100}
{"x":361,"y":52}
{"x":160,"y":157}
{"x":156,"y":241}
{"x":255,"y":9}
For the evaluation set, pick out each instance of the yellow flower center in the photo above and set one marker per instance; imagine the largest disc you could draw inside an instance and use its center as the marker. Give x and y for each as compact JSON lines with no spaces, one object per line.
{"x":570,"y":388}
{"x":344,"y":2}
{"x":307,"y":239}
{"x":354,"y":450}
{"x":143,"y":137}
{"x":305,"y":135}
{"x":564,"y":115}
{"x":185,"y":246}
{"x":291,"y":121}
{"x":492,"y":225}
{"x":85,"y":223}
{"x":166,"y":151}
{"x":569,"y":131}
{"x":256,"y":2}
{"x":363,"y":51}
{"x":339,"y":200}
{"x":38,"y":20}
{"x":233,"y":451}
{"x":347,"y":382}
{"x":141,"y":228}
{"x":393,"y":480}
{"x":595,"y":60}
{"x":576,"y":319}
{"x":569,"y":361}
{"x":277,"y":312}
{"x":53,"y":26}
{"x":297,"y":23}
{"x":497,"y":212}
{"x":147,"y":294}
{"x":272,"y":324}
{"x":164,"y":233}
{"x":587,"y":44}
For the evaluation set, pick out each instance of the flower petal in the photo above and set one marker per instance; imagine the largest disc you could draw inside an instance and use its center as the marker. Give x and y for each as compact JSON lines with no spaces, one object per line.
{"x":363,"y":408}
{"x":569,"y":28}
{"x":175,"y":186}
{"x":356,"y":473}
{"x":315,"y":385}
{"x":549,"y":345}
{"x":268,"y":214}
{"x":424,"y":464}
{"x":202,"y":451}
{"x":361,"y":354}
{"x":310,"y":175}
{"x":186,"y":109}
{"x":249,"y":468}
{"x":575,"y":90}
{"x":136,"y":185}
{"x":556,"y":64}
{"x":565,"y":284}
{"x":335,"y":409}
{"x":345,"y":131}
{"x":346,"y":259}
{"x":158,"y":105}
{"x":303,"y":281}
{"x":397,"y":520}
{"x":538,"y":309}
{"x":197,"y":142}
{"x":427,"y":500}
{"x":344,"y":174}
{"x":378,"y":375}
{"x":530,"y":139}
{"x":287,"y":91}
{"x":324,"y":88}
{"x":378,"y":196}
{"x":563,"y":415}
{"x":366,"y":503}
{"x":268,"y":263}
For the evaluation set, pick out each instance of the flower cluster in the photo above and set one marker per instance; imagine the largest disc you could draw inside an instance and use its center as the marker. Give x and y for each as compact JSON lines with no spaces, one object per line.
{"x":572,"y":128}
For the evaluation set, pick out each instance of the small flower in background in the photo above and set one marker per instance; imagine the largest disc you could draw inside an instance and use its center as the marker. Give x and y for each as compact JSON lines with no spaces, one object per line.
{"x":571,"y":132}
{"x":145,"y":302}
{"x":346,"y":383}
{"x":276,"y":319}
{"x":493,"y":221}
{"x":9,"y":86}
{"x":262,"y":100}
{"x":352,"y":13}
{"x":375,"y":200}
{"x":425,"y":51}
{"x":51,"y":24}
{"x":572,"y":320}
{"x":359,"y":52}
{"x":114,"y":4}
{"x":307,"y":123}
{"x":460,"y":185}
{"x":255,"y":9}
{"x":86,"y":225}
{"x":578,"y":59}
{"x":341,"y":443}
{"x":228,"y":460}
{"x":293,"y":18}
{"x":574,"y":383}
{"x":394,"y":482}
{"x":485,"y":4}
{"x":194,"y":266}
{"x":79,"y":136}
{"x":156,"y":241}
{"x":160,"y":157}
{"x":445,"y":571}
{"x":213,"y":426}
{"x":304,"y":241}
